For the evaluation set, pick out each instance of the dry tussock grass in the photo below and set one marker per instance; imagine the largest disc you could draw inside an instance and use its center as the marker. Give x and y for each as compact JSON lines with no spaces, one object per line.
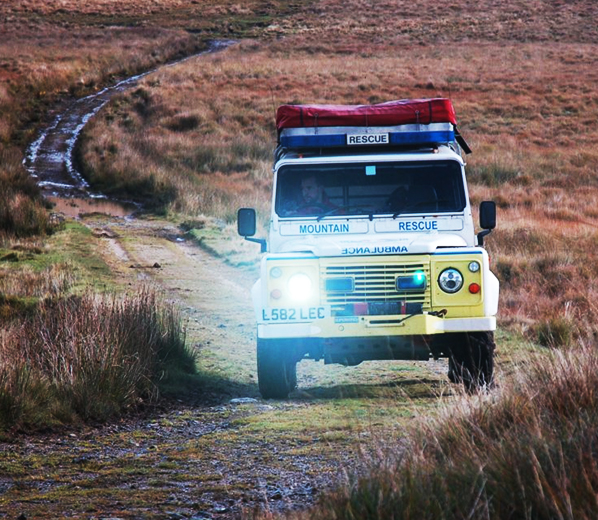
{"x":27,"y":282}
{"x":59,"y":357}
{"x":58,"y":48}
{"x":88,"y":358}
{"x":43,"y":64}
{"x":53,"y":50}
{"x":357,"y":26}
{"x":22,"y":210}
{"x":197,"y":137}
{"x":525,"y":451}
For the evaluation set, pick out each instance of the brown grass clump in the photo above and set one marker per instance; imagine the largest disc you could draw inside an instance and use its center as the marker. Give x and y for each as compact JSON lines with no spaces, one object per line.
{"x":22,"y":211}
{"x":148,"y":147}
{"x":527,"y":452}
{"x":88,"y":358}
{"x":27,"y":282}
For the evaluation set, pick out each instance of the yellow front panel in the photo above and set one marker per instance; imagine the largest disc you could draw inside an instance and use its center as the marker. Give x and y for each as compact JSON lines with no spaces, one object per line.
{"x":463,"y":303}
{"x":361,"y":296}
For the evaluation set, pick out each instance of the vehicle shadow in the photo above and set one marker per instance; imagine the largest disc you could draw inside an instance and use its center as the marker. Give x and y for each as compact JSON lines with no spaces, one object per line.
{"x":416,"y":388}
{"x":210,"y":389}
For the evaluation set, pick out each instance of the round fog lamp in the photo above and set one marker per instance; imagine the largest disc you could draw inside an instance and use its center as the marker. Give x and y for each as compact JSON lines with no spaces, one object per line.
{"x":450,"y":280}
{"x":299,"y":286}
{"x":275,"y":272}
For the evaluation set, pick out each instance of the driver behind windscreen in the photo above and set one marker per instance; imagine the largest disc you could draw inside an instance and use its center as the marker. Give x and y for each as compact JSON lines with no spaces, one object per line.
{"x":312,"y":199}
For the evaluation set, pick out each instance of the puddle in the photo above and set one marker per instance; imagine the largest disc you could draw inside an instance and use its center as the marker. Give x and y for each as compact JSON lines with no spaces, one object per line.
{"x":75,"y":207}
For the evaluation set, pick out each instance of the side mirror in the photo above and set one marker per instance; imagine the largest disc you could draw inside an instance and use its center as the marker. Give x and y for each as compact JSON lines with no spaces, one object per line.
{"x":247,"y":225}
{"x":246,"y":222}
{"x":487,"y":219}
{"x":488,"y":214}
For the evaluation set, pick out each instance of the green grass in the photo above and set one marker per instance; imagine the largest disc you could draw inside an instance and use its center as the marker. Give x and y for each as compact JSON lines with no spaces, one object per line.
{"x":67,"y":261}
{"x":69,"y":355}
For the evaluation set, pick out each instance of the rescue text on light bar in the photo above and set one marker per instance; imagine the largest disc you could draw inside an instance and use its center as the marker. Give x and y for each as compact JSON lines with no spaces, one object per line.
{"x":361,"y":139}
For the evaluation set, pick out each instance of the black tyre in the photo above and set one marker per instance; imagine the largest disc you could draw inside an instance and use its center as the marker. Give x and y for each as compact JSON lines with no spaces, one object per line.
{"x":471,"y":360}
{"x":276,"y":369}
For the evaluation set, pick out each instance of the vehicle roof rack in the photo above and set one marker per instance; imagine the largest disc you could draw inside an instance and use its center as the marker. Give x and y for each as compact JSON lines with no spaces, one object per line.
{"x":400,"y":124}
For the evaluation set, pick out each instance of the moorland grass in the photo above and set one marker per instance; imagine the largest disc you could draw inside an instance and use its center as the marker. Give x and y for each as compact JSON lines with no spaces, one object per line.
{"x":22,"y":209}
{"x":197,"y":138}
{"x":524,"y":451}
{"x":200,"y":136}
{"x":88,"y":358}
{"x":51,"y":52}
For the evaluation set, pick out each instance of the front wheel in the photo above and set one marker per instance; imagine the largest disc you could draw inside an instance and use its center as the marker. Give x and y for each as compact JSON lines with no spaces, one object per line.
{"x":276,"y":369}
{"x":471,"y":360}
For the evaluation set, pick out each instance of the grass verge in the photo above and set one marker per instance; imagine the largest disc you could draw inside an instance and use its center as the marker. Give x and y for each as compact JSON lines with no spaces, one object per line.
{"x":88,"y":358}
{"x":71,"y":349}
{"x":524,"y":452}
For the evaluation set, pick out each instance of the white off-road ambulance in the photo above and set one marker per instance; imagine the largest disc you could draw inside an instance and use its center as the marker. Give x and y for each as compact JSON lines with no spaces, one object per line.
{"x":372,"y":251}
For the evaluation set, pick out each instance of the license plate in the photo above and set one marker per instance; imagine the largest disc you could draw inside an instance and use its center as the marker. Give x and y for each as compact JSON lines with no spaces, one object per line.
{"x":296,"y":314}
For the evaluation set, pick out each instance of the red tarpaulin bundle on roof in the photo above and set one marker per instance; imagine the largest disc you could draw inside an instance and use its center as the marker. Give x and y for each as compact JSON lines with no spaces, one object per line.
{"x":402,"y":112}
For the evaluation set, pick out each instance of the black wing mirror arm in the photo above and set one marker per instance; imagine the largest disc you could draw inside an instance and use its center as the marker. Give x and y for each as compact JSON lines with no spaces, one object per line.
{"x":246,"y":227}
{"x":262,"y":241}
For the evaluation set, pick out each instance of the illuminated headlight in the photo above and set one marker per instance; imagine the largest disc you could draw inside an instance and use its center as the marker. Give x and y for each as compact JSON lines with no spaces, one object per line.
{"x":450,"y":280}
{"x":300,"y":287}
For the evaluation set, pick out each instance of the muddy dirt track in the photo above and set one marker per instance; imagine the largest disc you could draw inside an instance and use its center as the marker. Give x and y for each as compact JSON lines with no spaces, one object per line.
{"x":220,"y":451}
{"x":189,"y":459}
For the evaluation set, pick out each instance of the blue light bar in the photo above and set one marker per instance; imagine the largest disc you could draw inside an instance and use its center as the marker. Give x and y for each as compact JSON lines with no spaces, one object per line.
{"x":337,"y":137}
{"x":313,"y":141}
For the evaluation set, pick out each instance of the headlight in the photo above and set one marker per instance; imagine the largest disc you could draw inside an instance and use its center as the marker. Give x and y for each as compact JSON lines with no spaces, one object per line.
{"x":450,"y":280}
{"x":300,"y":287}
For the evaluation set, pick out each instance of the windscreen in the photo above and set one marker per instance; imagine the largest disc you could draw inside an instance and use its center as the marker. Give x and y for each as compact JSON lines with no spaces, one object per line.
{"x":321,"y":190}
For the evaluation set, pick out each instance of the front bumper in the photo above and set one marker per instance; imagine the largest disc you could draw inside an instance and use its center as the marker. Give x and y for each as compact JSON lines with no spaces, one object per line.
{"x":414,"y":325}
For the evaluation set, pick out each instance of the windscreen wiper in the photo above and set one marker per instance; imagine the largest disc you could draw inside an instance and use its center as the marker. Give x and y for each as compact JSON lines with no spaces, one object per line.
{"x":348,"y":208}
